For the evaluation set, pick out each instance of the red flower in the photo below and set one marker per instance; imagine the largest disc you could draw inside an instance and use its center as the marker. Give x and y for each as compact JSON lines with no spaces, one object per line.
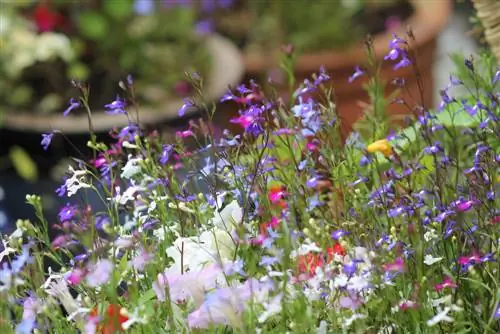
{"x":309,"y":262}
{"x":112,"y":321}
{"x":46,"y":19}
{"x":336,"y":249}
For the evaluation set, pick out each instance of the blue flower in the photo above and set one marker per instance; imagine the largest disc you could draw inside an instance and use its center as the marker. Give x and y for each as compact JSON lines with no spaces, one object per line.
{"x":46,"y":140}
{"x":144,"y":7}
{"x":357,"y":73}
{"x":116,"y":107}
{"x":165,"y":153}
{"x":73,"y":104}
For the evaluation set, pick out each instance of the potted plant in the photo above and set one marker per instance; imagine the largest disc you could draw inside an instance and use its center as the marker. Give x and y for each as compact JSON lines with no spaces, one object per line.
{"x":330,"y":34}
{"x":47,"y":44}
{"x":95,"y":44}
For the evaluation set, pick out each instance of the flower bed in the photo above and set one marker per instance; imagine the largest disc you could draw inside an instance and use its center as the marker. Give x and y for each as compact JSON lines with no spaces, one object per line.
{"x":284,"y":228}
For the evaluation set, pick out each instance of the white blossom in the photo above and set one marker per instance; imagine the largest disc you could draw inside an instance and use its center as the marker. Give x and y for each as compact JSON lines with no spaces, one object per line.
{"x":430,"y":260}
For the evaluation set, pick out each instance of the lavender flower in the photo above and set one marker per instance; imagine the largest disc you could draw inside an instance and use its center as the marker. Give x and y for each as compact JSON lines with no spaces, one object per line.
{"x":73,"y":104}
{"x":46,"y":140}
{"x":357,"y":73}
{"x":117,"y":107}
{"x":100,"y":273}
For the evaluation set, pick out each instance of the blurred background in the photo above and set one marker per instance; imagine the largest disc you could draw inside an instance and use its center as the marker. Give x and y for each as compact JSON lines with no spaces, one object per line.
{"x":126,"y":54}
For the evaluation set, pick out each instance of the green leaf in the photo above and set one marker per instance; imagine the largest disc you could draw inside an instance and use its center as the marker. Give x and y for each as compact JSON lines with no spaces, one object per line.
{"x":147,"y":296}
{"x":23,"y":164}
{"x":118,"y":10}
{"x":93,"y":25}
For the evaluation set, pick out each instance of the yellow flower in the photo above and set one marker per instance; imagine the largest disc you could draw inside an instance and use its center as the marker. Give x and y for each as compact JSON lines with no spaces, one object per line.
{"x":383,"y":146}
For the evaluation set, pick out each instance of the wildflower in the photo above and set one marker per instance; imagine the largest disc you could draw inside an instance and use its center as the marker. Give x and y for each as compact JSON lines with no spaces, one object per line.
{"x":67,"y":213}
{"x":75,"y":182}
{"x":185,"y":107}
{"x":447,"y":283}
{"x":336,"y":235}
{"x":46,"y":140}
{"x":76,"y":276}
{"x":131,"y":168}
{"x":99,"y":273}
{"x":357,"y":73}
{"x":113,"y":319}
{"x":117,"y":107}
{"x":352,"y":301}
{"x":144,"y":7}
{"x":46,"y":19}
{"x":57,"y":287}
{"x":404,"y":62}
{"x":73,"y":104}
{"x":276,"y":194}
{"x":250,"y":121}
{"x":184,"y":134}
{"x":430,"y":260}
{"x":141,"y":259}
{"x":383,"y":146}
{"x":397,"y":266}
{"x":441,"y":316}
{"x":271,"y":308}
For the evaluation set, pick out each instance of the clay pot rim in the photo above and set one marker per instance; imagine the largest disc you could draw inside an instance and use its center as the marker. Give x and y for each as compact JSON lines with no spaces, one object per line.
{"x":227,"y":69}
{"x":428,"y":19}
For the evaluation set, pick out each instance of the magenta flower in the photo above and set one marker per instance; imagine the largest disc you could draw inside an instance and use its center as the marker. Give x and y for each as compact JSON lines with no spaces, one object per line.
{"x":184,"y":134}
{"x":76,"y":276}
{"x":447,"y":283}
{"x":397,"y":266}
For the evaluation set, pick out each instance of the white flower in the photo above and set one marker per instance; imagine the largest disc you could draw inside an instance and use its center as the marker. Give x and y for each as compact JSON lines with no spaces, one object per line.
{"x":128,"y":195}
{"x":58,"y":289}
{"x":228,"y":218}
{"x":322,"y":328}
{"x":131,"y":168}
{"x":430,"y":235}
{"x":50,"y":45}
{"x":75,"y":182}
{"x":132,"y":318}
{"x":270,"y":309}
{"x":430,"y":260}
{"x":306,"y":248}
{"x":348,"y":322}
{"x":443,"y":300}
{"x":441,"y":316}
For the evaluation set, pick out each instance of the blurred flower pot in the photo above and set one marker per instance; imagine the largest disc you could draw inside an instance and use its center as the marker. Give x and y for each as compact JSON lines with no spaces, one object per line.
{"x":24,"y":128}
{"x":427,"y":21}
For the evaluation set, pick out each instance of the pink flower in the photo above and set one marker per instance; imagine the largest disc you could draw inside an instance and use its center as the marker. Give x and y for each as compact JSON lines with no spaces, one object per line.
{"x":76,"y":276}
{"x":141,"y":259}
{"x":184,"y":134}
{"x":447,"y":283}
{"x":397,"y":266}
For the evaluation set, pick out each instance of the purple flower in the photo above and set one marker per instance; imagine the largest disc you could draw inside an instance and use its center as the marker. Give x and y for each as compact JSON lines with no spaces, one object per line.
{"x":393,"y":54}
{"x":336,"y":235}
{"x":404,"y":62}
{"x":204,"y":27}
{"x":129,"y":132}
{"x":185,"y":107}
{"x":312,"y":182}
{"x":165,"y":153}
{"x":73,"y":104}
{"x":322,"y":77}
{"x":357,"y":73}
{"x":144,"y":7}
{"x":117,"y":107}
{"x":67,"y":213}
{"x":46,"y":140}
{"x":141,"y":259}
{"x":100,"y":273}
{"x":22,"y":259}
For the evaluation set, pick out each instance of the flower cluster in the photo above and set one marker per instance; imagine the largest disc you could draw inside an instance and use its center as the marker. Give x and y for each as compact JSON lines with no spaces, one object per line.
{"x":281,"y":228}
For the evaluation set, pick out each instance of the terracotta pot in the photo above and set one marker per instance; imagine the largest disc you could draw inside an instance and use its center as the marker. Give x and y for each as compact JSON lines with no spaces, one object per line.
{"x":427,"y":21}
